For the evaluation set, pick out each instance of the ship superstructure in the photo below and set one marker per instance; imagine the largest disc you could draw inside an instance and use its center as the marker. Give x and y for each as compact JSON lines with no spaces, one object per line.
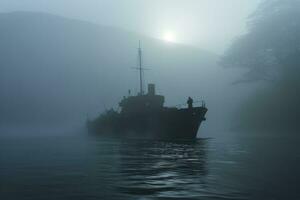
{"x":144,"y":115}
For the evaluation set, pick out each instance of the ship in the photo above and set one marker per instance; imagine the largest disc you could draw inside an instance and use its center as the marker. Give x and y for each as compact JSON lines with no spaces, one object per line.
{"x":144,"y":116}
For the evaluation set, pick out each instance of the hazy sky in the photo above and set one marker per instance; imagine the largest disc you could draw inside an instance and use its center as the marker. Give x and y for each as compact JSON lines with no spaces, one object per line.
{"x":208,"y":24}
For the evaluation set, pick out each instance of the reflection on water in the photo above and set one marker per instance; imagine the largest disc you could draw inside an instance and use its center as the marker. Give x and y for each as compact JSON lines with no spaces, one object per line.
{"x":66,"y":167}
{"x":162,"y":169}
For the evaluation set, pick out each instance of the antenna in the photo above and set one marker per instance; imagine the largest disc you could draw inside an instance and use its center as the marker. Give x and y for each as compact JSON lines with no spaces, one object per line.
{"x":140,"y":68}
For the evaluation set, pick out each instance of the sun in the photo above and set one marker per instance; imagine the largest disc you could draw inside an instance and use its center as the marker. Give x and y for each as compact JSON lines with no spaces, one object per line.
{"x":169,"y":36}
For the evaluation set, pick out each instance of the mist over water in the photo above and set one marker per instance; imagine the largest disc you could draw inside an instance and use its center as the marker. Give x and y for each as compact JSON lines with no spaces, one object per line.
{"x":82,"y":167}
{"x":57,"y":71}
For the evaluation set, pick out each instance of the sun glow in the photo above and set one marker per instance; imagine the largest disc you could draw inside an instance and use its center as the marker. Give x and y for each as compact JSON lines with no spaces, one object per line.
{"x":169,"y":37}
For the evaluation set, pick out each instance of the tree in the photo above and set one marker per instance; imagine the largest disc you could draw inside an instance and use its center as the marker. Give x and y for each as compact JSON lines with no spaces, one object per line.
{"x":271,"y":47}
{"x":270,"y":51}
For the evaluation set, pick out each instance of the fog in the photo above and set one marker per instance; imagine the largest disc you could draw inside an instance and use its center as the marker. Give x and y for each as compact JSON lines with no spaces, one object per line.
{"x":63,"y":62}
{"x":270,"y":54}
{"x":207,"y":24}
{"x":57,"y":71}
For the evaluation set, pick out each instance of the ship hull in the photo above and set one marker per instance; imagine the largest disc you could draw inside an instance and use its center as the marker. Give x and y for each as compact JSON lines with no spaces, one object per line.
{"x":169,"y":123}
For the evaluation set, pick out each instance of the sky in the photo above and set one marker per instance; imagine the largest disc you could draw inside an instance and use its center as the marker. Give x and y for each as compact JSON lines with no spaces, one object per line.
{"x":207,"y":24}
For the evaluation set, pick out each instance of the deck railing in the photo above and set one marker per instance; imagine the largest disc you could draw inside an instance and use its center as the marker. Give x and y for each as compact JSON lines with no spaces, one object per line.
{"x":195,"y":104}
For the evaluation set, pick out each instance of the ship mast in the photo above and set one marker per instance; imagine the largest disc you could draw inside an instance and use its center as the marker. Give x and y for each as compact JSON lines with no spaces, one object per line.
{"x":140,"y":68}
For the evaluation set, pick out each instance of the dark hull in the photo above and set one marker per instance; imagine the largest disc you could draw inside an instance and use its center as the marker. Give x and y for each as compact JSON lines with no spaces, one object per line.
{"x":168,"y":123}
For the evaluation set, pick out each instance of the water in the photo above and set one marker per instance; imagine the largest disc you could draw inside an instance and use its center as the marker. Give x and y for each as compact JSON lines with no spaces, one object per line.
{"x":85,"y":167}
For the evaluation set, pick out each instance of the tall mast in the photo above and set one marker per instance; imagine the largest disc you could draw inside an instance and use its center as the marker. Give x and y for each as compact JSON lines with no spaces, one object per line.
{"x":140,"y":68}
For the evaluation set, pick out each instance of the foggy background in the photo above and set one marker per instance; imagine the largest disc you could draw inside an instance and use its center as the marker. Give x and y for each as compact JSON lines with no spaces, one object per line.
{"x":64,"y":61}
{"x":205,"y":24}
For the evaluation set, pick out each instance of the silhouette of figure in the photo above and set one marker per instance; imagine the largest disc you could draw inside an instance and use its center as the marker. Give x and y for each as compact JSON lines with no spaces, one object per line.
{"x":190,"y":103}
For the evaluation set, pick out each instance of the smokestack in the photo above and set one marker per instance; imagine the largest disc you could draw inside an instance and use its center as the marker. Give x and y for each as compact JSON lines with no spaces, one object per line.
{"x":151,"y":89}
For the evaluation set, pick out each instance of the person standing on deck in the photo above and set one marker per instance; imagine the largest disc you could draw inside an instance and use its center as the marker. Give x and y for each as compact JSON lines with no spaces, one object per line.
{"x":190,"y":103}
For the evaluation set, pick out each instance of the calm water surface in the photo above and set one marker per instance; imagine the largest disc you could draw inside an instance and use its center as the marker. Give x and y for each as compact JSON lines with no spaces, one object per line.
{"x":85,"y":167}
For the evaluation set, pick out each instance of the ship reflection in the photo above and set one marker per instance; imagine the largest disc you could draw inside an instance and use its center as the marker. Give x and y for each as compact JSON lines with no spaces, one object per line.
{"x":162,"y":168}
